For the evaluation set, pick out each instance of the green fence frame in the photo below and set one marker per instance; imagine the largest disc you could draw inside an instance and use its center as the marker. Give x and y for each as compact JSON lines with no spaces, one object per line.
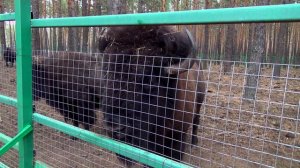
{"x":24,"y":139}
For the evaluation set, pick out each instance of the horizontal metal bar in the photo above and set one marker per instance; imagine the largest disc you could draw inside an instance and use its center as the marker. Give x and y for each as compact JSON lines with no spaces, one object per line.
{"x":39,"y":164}
{"x":109,"y":144}
{"x":8,"y":100}
{"x":2,"y":165}
{"x":5,"y":139}
{"x":7,"y":17}
{"x":271,"y":13}
{"x":27,"y":129}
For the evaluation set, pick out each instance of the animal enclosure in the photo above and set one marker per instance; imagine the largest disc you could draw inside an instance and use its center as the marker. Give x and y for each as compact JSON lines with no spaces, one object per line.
{"x":137,"y":103}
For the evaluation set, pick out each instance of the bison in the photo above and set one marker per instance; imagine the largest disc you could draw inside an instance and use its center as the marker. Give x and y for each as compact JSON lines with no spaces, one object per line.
{"x":69,"y":82}
{"x":151,"y":87}
{"x":9,"y":56}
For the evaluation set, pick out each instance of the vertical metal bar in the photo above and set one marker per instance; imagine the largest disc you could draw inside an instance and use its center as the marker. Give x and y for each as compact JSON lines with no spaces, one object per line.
{"x":24,"y":79}
{"x":15,"y":139}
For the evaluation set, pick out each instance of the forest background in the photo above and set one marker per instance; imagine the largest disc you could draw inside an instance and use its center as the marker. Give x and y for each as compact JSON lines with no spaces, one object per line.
{"x":279,"y":42}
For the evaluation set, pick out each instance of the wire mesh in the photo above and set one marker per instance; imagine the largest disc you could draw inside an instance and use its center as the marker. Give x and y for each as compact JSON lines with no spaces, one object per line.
{"x":65,"y":84}
{"x":131,"y":103}
{"x":8,"y":72}
{"x":262,"y":132}
{"x":8,"y":127}
{"x":234,"y":131}
{"x":8,"y":115}
{"x":7,"y":7}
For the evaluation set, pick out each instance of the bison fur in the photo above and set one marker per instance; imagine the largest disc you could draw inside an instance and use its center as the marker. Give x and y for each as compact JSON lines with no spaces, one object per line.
{"x":9,"y":56}
{"x":69,"y":82}
{"x":144,"y":104}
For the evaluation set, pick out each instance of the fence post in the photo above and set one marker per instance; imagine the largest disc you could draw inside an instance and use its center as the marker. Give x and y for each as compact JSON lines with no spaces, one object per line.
{"x":24,"y":79}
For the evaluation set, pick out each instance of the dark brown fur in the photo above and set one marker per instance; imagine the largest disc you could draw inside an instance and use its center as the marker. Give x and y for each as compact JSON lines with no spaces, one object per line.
{"x":9,"y":56}
{"x":70,"y":83}
{"x":139,"y":97}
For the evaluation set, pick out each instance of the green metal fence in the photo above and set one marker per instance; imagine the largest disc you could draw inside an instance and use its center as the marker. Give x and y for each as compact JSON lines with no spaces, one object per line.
{"x":23,"y":141}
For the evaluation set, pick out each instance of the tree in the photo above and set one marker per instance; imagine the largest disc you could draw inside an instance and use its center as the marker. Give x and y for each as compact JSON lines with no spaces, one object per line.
{"x":141,"y":6}
{"x":71,"y":32}
{"x":281,"y":47}
{"x":97,"y":11}
{"x":85,"y":33}
{"x":2,"y":27}
{"x":54,"y":34}
{"x":35,"y":32}
{"x":229,"y":43}
{"x":117,"y":6}
{"x":163,"y":5}
{"x":60,"y":45}
{"x":206,"y":38}
{"x":257,"y":52}
{"x":250,"y":40}
{"x":77,"y":37}
{"x":45,"y":40}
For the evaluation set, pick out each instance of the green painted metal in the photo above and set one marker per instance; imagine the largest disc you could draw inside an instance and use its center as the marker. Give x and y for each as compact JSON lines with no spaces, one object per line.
{"x":39,"y":164}
{"x":24,"y":79}
{"x":270,"y":13}
{"x":5,"y":139}
{"x":2,"y":165}
{"x":8,"y":100}
{"x":109,"y":144}
{"x":7,"y":17}
{"x":27,"y":129}
{"x":274,"y":13}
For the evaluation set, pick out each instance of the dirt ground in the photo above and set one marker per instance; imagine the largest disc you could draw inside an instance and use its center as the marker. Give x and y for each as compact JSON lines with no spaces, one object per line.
{"x":234,"y":132}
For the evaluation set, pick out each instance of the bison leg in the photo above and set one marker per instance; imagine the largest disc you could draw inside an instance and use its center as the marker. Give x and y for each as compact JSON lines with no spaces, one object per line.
{"x":65,"y":119}
{"x":86,"y":126}
{"x":129,"y":162}
{"x":76,"y":124}
{"x":195,"y":129}
{"x":178,"y":145}
{"x":88,"y":119}
{"x":126,"y":161}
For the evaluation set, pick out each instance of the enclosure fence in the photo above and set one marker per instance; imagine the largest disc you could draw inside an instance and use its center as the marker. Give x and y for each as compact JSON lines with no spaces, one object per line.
{"x":239,"y":132}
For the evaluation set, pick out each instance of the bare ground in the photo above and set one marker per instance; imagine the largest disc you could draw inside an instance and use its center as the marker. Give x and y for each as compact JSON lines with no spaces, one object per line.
{"x":234,"y":132}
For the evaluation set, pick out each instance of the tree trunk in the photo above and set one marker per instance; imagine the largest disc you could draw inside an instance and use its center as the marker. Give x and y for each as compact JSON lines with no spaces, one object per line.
{"x":85,"y":32}
{"x":281,"y":47}
{"x":98,"y":4}
{"x":196,"y":6}
{"x":229,"y":51}
{"x":141,"y":6}
{"x":187,"y":5}
{"x":219,"y":43}
{"x":117,"y":7}
{"x":163,"y":5}
{"x":45,"y":46}
{"x":35,"y":31}
{"x":257,"y":53}
{"x":206,"y":38}
{"x":11,"y":36}
{"x":54,"y":30}
{"x":229,"y":43}
{"x":60,"y":46}
{"x":2,"y":27}
{"x":176,"y":5}
{"x":71,"y":31}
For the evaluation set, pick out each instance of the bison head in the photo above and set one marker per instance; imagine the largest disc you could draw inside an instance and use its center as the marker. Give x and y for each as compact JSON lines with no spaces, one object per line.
{"x":140,"y":64}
